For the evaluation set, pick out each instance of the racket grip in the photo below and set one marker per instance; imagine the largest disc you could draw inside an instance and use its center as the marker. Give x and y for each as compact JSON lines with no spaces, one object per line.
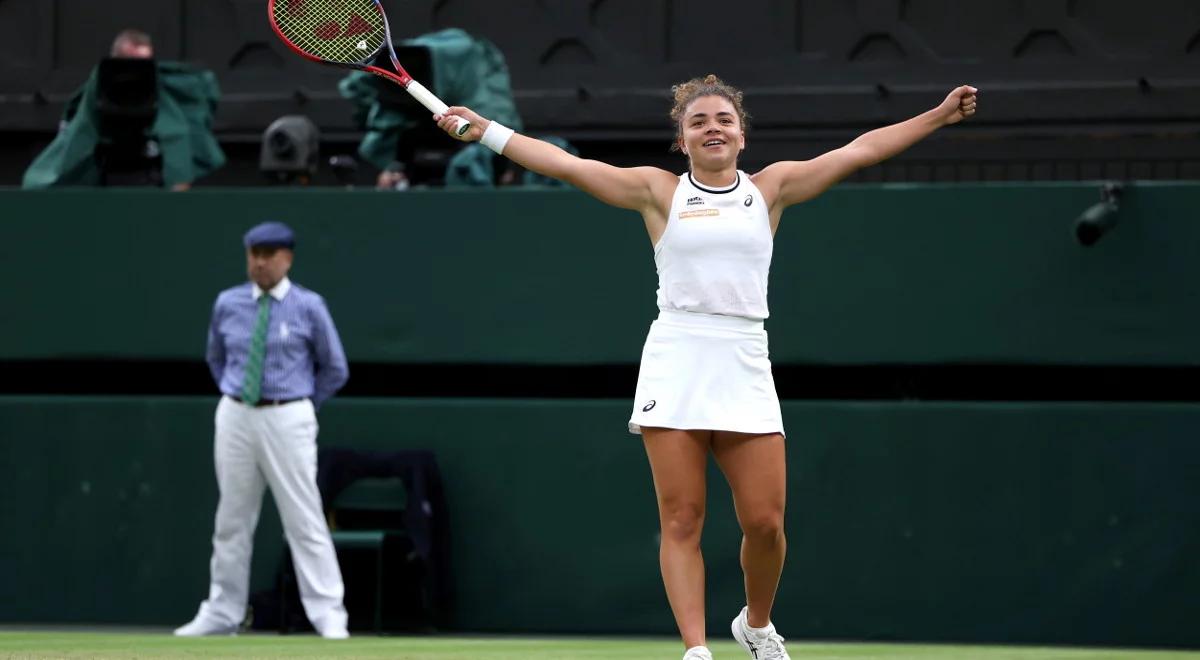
{"x":435,"y":105}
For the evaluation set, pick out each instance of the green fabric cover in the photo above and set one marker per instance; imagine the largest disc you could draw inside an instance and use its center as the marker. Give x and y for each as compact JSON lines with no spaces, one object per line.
{"x":187,"y":100}
{"x":467,"y":70}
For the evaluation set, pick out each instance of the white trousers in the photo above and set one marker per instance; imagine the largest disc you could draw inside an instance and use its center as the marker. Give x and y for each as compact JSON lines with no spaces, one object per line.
{"x":272,"y":446}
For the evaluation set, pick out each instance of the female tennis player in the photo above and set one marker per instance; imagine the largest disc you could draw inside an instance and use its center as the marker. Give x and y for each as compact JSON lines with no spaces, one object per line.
{"x":705,"y":380}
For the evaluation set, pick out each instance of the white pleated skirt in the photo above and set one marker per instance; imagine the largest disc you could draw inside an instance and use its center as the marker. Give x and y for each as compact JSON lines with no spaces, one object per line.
{"x":705,"y":371}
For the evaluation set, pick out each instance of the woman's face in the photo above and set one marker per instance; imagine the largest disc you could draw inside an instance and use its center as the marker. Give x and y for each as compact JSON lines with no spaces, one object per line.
{"x":711,"y":132}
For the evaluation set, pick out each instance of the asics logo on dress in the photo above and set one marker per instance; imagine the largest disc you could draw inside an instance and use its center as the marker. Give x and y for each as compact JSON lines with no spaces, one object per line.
{"x":748,"y":201}
{"x":693,"y":201}
{"x":649,"y":406}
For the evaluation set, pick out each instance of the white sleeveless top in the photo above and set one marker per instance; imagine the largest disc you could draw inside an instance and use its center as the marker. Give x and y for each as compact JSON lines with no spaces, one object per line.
{"x":715,"y":254}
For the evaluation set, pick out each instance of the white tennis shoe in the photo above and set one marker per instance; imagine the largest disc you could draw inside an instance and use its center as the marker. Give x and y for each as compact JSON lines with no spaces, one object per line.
{"x":202,"y":626}
{"x":698,"y":653}
{"x":760,"y":643}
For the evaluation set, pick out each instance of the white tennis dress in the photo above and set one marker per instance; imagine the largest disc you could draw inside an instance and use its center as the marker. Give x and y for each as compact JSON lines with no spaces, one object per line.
{"x":705,"y":364}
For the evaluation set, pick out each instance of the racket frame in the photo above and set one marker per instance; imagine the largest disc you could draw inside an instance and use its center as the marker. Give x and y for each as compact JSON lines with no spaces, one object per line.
{"x":399,"y":76}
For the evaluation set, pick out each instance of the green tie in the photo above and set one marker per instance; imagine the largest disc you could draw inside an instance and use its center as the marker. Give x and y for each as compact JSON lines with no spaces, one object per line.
{"x":252,"y":386}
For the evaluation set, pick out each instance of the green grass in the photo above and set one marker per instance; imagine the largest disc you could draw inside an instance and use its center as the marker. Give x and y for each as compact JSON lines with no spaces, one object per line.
{"x":124,"y":645}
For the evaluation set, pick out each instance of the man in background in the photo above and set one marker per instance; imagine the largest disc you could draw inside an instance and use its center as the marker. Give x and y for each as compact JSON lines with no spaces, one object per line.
{"x":276,"y":357}
{"x":131,"y":124}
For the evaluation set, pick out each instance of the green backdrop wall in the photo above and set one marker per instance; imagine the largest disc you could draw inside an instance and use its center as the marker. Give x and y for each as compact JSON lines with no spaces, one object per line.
{"x":1014,"y":522}
{"x":863,"y":275}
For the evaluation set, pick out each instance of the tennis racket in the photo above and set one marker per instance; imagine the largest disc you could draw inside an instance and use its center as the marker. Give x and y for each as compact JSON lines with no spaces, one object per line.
{"x":347,"y":33}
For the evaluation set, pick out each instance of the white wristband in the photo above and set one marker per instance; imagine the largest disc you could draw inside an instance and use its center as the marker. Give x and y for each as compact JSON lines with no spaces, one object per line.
{"x":496,"y":136}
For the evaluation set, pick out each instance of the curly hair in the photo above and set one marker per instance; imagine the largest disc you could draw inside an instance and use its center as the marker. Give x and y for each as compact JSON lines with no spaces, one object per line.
{"x":709,"y":85}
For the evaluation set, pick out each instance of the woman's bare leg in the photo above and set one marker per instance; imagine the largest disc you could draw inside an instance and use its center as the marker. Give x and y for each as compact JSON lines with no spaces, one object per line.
{"x":755,"y":468}
{"x":678,"y":461}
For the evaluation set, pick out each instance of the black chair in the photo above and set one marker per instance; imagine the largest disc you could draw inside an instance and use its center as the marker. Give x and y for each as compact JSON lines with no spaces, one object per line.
{"x":368,"y":516}
{"x":389,"y":508}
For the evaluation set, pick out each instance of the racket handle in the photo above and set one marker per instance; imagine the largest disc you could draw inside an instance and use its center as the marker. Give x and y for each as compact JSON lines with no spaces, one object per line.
{"x":435,"y":105}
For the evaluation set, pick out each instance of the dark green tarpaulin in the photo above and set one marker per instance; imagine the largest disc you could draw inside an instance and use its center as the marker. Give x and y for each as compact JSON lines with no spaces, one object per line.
{"x":187,"y":99}
{"x":467,"y":71}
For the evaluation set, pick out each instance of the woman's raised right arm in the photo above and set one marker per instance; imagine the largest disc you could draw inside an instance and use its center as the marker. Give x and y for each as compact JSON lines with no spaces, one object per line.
{"x":623,"y":187}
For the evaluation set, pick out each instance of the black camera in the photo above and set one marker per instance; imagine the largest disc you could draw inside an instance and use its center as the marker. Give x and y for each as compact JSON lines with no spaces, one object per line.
{"x":1101,"y":217}
{"x":126,"y":108}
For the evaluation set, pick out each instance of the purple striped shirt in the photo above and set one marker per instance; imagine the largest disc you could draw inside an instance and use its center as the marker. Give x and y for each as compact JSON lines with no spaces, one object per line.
{"x":304,"y":356}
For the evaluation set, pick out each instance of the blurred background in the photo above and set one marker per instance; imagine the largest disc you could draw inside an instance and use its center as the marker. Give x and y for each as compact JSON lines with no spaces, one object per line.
{"x":986,"y":347}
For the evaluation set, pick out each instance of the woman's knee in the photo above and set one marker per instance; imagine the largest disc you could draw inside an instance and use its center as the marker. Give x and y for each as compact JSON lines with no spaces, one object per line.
{"x":764,"y":525}
{"x":681,"y":521}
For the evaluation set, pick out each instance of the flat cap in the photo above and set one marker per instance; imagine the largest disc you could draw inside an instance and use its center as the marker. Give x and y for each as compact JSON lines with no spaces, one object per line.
{"x":270,"y":234}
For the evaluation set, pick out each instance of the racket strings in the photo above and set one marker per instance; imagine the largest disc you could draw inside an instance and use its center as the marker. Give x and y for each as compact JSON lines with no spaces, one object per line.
{"x":342,"y":31}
